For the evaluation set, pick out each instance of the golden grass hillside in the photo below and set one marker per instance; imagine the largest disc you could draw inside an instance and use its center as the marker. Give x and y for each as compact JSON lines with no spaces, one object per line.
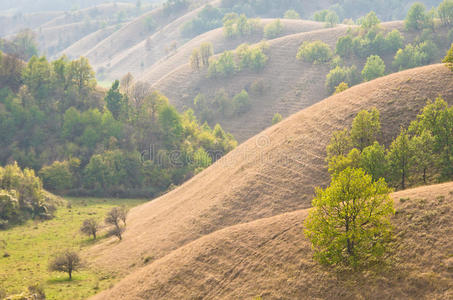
{"x":271,"y":258}
{"x":219,"y":42}
{"x":291,"y":85}
{"x":272,"y":173}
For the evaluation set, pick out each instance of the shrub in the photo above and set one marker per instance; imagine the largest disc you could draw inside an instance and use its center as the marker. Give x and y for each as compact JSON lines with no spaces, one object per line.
{"x":350,"y":220}
{"x":314,"y":52}
{"x":241,"y":103}
{"x":273,"y":30}
{"x":344,"y":47}
{"x":350,"y":75}
{"x":341,"y":87}
{"x":332,"y":19}
{"x":448,"y":60}
{"x":374,"y":68}
{"x":277,"y":118}
{"x":57,"y":177}
{"x":291,"y":14}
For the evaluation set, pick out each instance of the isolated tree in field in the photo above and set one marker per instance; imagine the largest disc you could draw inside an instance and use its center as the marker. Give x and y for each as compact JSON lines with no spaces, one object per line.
{"x":400,"y":158}
{"x":291,"y":14}
{"x":448,"y":60}
{"x":90,"y":227}
{"x":68,"y":262}
{"x":374,"y":68}
{"x":195,"y":60}
{"x":416,"y":17}
{"x":206,"y":51}
{"x":373,"y":161}
{"x":365,"y":128}
{"x":349,"y":222}
{"x":117,"y":218}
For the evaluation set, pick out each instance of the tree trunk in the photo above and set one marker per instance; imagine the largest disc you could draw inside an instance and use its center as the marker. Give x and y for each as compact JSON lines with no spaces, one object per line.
{"x":424,"y":175}
{"x":70,"y":274}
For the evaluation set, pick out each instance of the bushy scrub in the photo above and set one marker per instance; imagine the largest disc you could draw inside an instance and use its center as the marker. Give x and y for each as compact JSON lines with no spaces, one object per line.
{"x":415,"y":55}
{"x":348,"y":75}
{"x":315,"y":52}
{"x":273,"y":30}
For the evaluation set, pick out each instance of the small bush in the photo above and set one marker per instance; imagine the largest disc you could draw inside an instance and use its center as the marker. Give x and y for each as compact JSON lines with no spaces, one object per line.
{"x":277,"y":118}
{"x":315,"y":52}
{"x":291,"y":14}
{"x":273,"y":30}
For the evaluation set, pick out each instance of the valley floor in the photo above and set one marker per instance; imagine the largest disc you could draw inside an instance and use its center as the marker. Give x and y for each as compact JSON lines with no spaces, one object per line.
{"x":25,"y":251}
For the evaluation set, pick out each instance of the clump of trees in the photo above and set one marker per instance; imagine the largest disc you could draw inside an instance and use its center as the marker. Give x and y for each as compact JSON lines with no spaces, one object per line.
{"x":235,"y":25}
{"x":418,"y":18}
{"x":22,"y":196}
{"x":200,"y":57}
{"x":418,"y":155}
{"x":349,"y":75}
{"x":445,"y":12}
{"x":244,"y":57}
{"x":87,"y":143}
{"x":316,"y":52}
{"x":415,"y":55}
{"x":273,"y":30}
{"x":207,"y":19}
{"x":330,"y":17}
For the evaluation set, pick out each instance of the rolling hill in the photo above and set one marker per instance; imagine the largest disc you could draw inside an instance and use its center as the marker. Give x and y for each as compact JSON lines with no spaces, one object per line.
{"x":272,"y":173}
{"x":291,"y":85}
{"x":271,"y":258}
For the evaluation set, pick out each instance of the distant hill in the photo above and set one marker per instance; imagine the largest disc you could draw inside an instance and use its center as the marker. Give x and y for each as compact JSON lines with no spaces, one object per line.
{"x":272,"y":173}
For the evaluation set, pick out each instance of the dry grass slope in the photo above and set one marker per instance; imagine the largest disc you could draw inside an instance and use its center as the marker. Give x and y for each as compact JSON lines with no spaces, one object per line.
{"x":292,"y":85}
{"x":271,"y":258}
{"x":273,"y":173}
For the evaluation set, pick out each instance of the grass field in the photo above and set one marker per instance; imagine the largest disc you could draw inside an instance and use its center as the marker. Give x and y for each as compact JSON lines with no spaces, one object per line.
{"x":32,"y":245}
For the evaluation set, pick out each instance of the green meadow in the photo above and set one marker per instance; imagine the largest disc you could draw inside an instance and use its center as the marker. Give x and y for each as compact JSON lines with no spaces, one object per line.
{"x":25,"y":251}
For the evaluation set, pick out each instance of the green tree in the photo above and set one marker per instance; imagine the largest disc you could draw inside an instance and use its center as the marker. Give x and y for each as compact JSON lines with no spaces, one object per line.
{"x":338,"y":163}
{"x":115,"y":100}
{"x":350,"y":220}
{"x":224,"y":66}
{"x":291,"y":14}
{"x":57,"y":177}
{"x":344,"y":47}
{"x":373,"y":161}
{"x":424,"y":158}
{"x":241,"y":102}
{"x":400,"y":159}
{"x":365,"y":128}
{"x":374,"y":68}
{"x":340,"y":144}
{"x":437,"y":118}
{"x":350,"y":76}
{"x":416,"y":17}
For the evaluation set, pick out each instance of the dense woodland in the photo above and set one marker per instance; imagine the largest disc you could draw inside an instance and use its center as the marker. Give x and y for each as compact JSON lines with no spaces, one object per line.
{"x":84,"y":141}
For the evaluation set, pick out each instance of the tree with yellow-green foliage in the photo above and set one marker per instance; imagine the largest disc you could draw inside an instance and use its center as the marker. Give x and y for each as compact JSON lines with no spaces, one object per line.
{"x":349,"y":223}
{"x":448,"y":60}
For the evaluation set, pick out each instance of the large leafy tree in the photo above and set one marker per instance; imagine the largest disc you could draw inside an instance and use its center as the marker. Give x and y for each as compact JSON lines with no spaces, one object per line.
{"x":349,"y":222}
{"x":400,"y":158}
{"x":365,"y":128}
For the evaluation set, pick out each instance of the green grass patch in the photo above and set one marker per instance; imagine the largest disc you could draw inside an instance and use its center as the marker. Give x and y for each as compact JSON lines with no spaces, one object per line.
{"x":30,"y":247}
